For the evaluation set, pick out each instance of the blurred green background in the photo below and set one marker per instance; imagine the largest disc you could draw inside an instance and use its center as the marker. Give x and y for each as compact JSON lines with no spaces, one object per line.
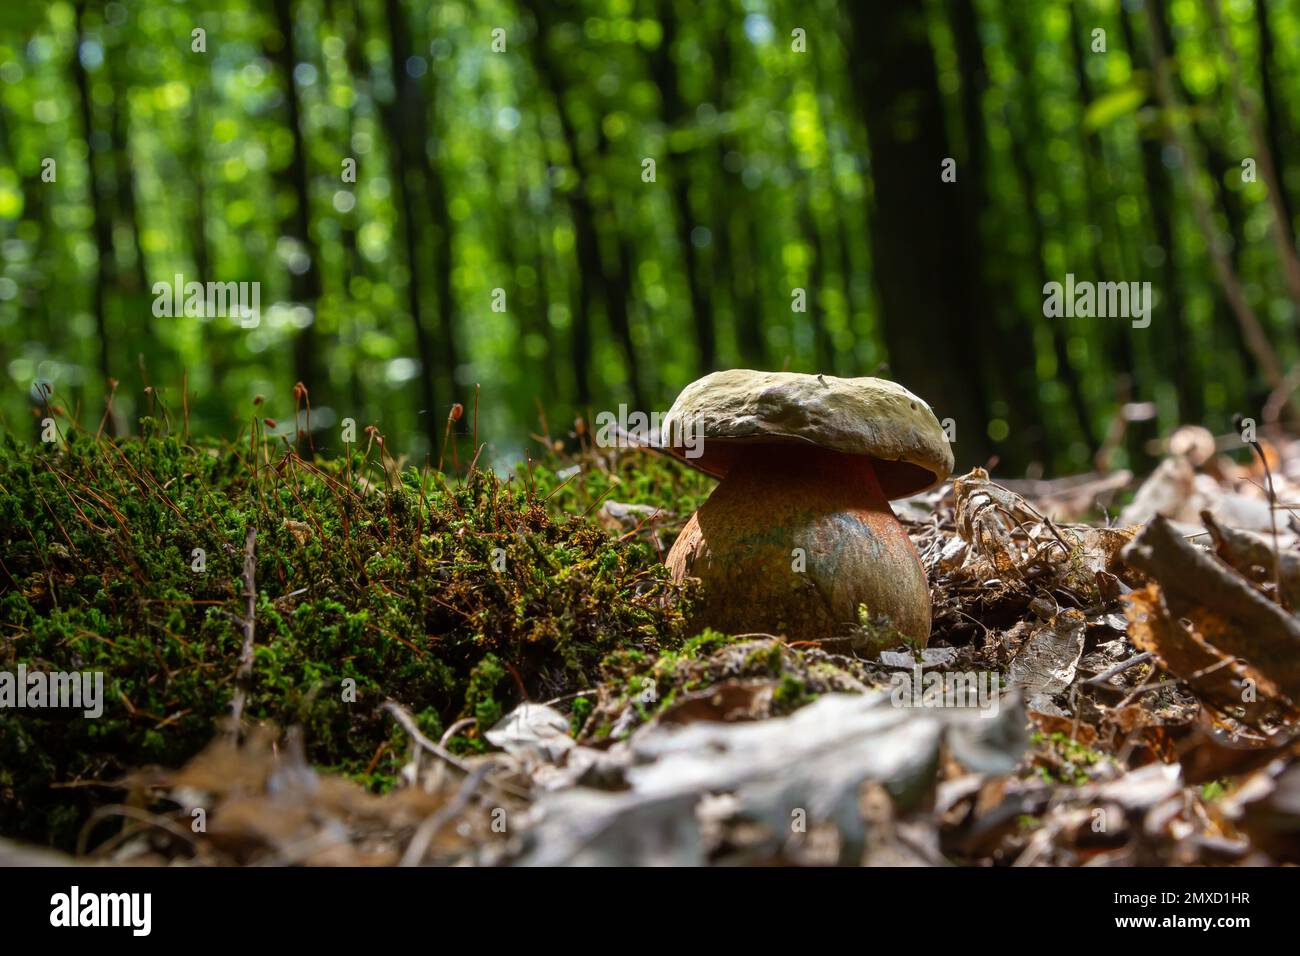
{"x":795,"y":146}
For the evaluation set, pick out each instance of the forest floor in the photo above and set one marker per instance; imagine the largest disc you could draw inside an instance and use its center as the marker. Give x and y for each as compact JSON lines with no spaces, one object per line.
{"x":357,"y":662}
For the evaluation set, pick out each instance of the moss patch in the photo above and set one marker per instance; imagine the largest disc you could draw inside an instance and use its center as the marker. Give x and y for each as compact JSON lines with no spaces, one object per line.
{"x":453,"y":596}
{"x":637,"y":687}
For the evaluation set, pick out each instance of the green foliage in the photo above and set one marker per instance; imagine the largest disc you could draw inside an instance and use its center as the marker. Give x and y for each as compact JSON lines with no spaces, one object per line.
{"x":519,"y":170}
{"x":363,"y":573}
{"x":1115,"y":104}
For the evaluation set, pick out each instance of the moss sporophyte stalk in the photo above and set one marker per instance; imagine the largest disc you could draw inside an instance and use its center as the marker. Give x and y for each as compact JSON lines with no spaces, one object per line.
{"x":454,"y":595}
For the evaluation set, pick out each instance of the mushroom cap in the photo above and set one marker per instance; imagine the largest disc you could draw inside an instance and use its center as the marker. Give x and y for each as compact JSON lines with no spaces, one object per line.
{"x":872,"y":417}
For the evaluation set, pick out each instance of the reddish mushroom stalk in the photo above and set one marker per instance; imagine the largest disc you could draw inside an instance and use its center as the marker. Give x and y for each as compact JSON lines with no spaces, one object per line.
{"x":794,"y":540}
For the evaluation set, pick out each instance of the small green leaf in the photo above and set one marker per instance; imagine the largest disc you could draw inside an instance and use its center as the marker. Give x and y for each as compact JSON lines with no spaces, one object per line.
{"x":1106,"y":109}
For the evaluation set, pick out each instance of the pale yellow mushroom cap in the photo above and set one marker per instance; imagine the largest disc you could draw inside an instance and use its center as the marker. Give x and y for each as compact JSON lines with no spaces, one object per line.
{"x":855,"y":416}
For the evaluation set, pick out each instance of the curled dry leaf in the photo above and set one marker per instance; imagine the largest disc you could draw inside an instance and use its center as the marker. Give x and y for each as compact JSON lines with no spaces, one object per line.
{"x":1213,"y":676}
{"x":986,"y":513}
{"x":1227,"y":612}
{"x":1252,"y":555}
{"x":532,"y":730}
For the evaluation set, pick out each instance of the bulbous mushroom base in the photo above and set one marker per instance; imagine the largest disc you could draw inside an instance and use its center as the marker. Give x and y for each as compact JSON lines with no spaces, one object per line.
{"x":792,"y":541}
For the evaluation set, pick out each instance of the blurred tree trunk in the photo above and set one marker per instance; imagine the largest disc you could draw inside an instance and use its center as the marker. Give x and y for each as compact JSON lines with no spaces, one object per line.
{"x":351,"y":30}
{"x":641,"y":376}
{"x":195,"y":163}
{"x":587,"y":245}
{"x":1108,"y":259}
{"x":123,"y":174}
{"x":1159,"y":195}
{"x":842,"y":258}
{"x":926,"y":276}
{"x":1015,"y":375}
{"x":443,"y":236}
{"x":1228,"y":201}
{"x":543,"y":262}
{"x":305,"y":284}
{"x":592,"y":270}
{"x":550,"y":378}
{"x":1175,"y":113}
{"x":101,"y":220}
{"x":1110,"y":262}
{"x":618,"y":284}
{"x":823,"y":347}
{"x":401,"y":118}
{"x":1031,"y":123}
{"x":664,"y":74}
{"x":1276,"y":126}
{"x":733,"y":230}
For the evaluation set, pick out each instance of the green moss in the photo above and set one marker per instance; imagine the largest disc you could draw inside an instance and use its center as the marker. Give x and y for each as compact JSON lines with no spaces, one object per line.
{"x":581,"y":710}
{"x":485,"y":680}
{"x":1214,"y":789}
{"x":875,"y":633}
{"x":790,"y":694}
{"x":766,"y":657}
{"x":452,"y":596}
{"x":1063,"y":760}
{"x":648,"y":685}
{"x":631,"y":477}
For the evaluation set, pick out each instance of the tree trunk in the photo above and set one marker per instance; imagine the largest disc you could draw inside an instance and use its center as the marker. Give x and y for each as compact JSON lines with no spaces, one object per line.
{"x":1160,"y":199}
{"x":733,"y":226}
{"x":102,"y":225}
{"x":1031,"y":123}
{"x":399,"y":117}
{"x":1014,"y":370}
{"x":1276,"y":126}
{"x":924,"y":273}
{"x":664,"y":74}
{"x":592,"y":269}
{"x":305,"y":286}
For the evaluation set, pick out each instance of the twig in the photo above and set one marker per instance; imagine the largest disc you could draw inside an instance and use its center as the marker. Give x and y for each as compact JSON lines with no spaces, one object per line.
{"x":408,"y":724}
{"x":1272,"y":517}
{"x":1206,"y":671}
{"x":108,"y":408}
{"x":427,"y":830}
{"x":453,"y":416}
{"x":1139,"y":691}
{"x":244,"y":673}
{"x":131,"y":813}
{"x":1119,"y":668}
{"x":564,"y":697}
{"x":456,"y":728}
{"x":1280,"y":396}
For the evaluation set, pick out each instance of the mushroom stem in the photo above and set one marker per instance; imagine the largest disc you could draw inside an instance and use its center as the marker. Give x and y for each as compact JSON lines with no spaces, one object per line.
{"x":794,"y":540}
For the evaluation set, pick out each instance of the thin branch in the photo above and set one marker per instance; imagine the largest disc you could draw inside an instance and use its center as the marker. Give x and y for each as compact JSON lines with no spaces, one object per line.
{"x":1175,"y":133}
{"x":409,"y":725}
{"x":419,"y":844}
{"x":244,"y":673}
{"x":1246,"y":106}
{"x":1119,"y":668}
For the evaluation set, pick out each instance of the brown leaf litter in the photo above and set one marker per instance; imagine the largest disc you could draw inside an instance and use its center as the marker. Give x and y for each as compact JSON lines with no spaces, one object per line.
{"x":1144,"y":712}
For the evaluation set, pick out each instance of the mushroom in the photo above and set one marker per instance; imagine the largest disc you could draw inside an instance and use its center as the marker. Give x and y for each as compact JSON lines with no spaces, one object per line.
{"x":799,"y":533}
